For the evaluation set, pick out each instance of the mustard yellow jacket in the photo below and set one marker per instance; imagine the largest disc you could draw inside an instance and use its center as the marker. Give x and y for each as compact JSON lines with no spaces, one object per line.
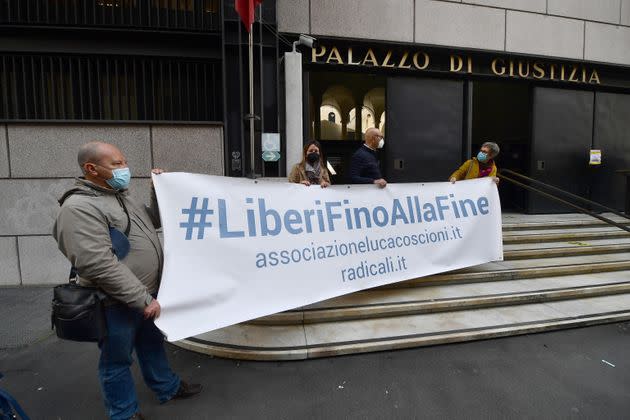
{"x":470,"y":170}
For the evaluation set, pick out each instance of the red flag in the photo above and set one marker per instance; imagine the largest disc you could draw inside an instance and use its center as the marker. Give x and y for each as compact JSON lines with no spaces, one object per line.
{"x":245,"y":9}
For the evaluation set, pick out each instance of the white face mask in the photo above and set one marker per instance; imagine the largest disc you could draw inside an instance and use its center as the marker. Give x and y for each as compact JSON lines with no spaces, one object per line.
{"x":381,"y":143}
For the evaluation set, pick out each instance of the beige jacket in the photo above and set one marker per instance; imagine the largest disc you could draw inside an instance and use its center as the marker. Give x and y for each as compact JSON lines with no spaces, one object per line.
{"x":298,"y":174}
{"x":82,"y":233}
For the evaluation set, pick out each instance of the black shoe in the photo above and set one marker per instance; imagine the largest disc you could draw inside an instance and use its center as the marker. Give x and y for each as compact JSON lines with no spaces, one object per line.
{"x":138,"y":416}
{"x":187,"y":390}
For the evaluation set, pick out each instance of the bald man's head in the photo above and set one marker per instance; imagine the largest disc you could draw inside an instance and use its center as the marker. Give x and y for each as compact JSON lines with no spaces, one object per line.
{"x":372,"y":137}
{"x":98,"y":160}
{"x":89,"y":152}
{"x":95,"y":152}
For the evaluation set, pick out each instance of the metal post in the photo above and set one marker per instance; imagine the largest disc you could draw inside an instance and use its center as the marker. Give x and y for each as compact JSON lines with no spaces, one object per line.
{"x":251,"y":102}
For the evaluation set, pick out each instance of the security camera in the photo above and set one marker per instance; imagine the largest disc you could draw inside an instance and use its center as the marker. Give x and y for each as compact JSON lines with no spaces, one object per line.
{"x":307,"y":41}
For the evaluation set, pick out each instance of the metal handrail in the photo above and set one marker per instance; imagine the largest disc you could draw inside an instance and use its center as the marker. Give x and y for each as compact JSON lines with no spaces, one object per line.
{"x":577,"y":197}
{"x":553,"y":197}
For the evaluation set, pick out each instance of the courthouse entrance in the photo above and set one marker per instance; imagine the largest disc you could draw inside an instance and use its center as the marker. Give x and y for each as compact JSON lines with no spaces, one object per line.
{"x":436,"y":107}
{"x":501,"y":113}
{"x":431,"y":125}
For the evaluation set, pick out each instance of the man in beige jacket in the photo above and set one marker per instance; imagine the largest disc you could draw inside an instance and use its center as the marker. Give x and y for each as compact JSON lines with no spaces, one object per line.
{"x":98,"y":202}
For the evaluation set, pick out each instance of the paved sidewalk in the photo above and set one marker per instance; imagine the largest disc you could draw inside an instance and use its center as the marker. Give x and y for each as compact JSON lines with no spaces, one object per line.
{"x":580,"y":373}
{"x":25,"y":315}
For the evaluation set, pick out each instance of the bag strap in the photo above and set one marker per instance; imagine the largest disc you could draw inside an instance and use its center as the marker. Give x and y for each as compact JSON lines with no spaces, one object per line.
{"x":11,"y":405}
{"x":121,"y":201}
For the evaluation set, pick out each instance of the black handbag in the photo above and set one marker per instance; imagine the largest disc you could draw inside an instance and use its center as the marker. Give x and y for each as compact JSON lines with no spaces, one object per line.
{"x":78,"y":313}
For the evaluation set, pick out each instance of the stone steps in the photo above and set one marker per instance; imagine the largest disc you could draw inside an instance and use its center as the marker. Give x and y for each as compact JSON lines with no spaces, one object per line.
{"x":501,"y":271}
{"x":593,"y":223}
{"x":565,"y":251}
{"x":559,"y":271}
{"x":564,"y":236}
{"x":295,"y":342}
{"x":382,"y":303}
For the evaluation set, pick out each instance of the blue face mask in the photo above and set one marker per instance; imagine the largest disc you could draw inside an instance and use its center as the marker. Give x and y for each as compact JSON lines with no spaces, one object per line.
{"x":120,"y":179}
{"x":482,"y":157}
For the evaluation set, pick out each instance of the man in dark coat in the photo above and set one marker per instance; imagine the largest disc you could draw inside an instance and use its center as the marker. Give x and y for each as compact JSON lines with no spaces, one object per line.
{"x":365,"y":168}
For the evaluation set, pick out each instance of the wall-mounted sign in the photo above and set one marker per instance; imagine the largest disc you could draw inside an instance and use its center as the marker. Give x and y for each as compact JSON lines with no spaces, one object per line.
{"x":596,"y":157}
{"x":407,"y":58}
{"x":270,"y":142}
{"x":270,"y":156}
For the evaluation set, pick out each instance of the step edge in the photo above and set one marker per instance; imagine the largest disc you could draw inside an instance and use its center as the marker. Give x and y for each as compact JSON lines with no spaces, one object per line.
{"x":386,"y":310}
{"x":312,"y":352}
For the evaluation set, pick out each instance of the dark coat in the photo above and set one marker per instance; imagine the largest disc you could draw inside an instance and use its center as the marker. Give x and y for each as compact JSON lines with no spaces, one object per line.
{"x":364,"y":167}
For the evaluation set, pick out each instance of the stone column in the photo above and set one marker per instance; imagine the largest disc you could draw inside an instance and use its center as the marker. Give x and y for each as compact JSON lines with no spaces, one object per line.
{"x":358,"y":126}
{"x":317,"y":117}
{"x":344,"y":127}
{"x":377,"y":120}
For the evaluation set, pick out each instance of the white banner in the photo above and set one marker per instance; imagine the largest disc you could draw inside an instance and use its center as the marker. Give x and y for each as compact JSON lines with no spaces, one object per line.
{"x":238,"y":249}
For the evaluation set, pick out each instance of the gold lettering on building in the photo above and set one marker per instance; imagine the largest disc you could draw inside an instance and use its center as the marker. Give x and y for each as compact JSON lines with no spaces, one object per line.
{"x":498,"y":69}
{"x":318,"y":54}
{"x":370,"y":58}
{"x":386,"y":62}
{"x":334,"y":55}
{"x":420,"y":60}
{"x":594,"y":77}
{"x":521,"y":72}
{"x":460,"y":63}
{"x":350,"y":62}
{"x":539,"y":72}
{"x":403,"y":60}
{"x":417,"y":64}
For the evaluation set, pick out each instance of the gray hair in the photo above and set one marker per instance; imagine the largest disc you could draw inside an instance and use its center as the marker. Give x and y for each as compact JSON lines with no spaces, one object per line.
{"x":89,"y":152}
{"x":492,"y":146}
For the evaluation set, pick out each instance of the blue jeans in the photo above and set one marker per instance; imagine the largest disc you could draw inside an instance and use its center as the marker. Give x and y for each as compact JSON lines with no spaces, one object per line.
{"x":126,"y":330}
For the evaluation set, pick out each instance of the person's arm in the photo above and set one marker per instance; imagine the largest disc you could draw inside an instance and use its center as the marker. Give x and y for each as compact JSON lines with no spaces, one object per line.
{"x":82,"y":234}
{"x":356,"y":168}
{"x":460,"y":173}
{"x":493,"y":174}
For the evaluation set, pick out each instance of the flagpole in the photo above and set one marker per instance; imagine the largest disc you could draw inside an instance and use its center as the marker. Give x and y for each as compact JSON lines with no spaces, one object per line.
{"x":251,"y":101}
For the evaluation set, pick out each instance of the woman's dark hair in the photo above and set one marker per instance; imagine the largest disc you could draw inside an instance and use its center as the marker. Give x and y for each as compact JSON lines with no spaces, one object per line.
{"x":309,"y":144}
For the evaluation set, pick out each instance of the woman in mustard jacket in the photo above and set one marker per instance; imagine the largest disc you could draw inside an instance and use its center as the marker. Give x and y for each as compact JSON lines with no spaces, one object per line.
{"x":312,"y":169}
{"x":480,"y":166}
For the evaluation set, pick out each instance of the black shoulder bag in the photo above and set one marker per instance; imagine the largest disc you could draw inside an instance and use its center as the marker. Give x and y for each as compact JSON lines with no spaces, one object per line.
{"x":78,"y":312}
